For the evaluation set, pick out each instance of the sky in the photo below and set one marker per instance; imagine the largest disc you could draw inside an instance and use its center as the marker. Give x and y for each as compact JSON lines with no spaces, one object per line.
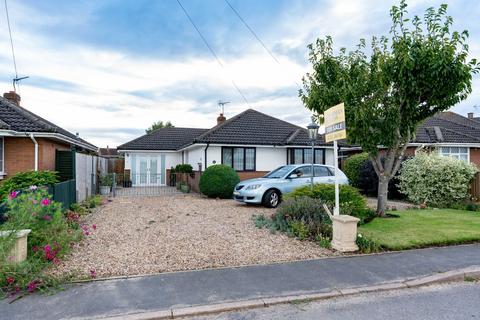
{"x":108,"y":69}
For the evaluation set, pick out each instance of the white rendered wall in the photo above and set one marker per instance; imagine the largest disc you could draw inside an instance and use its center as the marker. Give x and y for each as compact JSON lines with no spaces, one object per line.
{"x":269,"y":158}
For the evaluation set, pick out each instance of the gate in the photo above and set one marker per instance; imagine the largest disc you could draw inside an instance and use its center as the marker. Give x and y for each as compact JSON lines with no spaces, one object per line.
{"x":64,"y":192}
{"x":140,"y":184}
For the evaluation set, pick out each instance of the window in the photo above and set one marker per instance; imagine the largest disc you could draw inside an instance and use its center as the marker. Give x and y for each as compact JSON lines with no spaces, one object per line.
{"x":455,"y":152}
{"x":1,"y":155}
{"x":304,"y":155}
{"x":322,"y":172}
{"x":240,"y":159}
{"x":303,"y":172}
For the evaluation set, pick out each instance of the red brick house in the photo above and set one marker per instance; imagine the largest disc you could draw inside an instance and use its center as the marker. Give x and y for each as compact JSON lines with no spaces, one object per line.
{"x":28,"y":142}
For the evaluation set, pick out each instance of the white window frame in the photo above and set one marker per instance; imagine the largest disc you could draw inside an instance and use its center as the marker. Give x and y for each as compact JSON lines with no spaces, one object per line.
{"x":454,"y":155}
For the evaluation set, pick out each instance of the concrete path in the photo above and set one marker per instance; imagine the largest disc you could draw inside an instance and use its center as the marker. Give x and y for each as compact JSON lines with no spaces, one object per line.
{"x":182,"y":289}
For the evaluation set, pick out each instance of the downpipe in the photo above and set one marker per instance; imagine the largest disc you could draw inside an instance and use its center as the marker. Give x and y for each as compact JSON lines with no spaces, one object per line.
{"x":36,"y":150}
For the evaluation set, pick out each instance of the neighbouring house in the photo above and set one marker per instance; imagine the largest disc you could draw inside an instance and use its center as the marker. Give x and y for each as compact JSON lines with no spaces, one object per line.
{"x":251,"y":142}
{"x":450,"y":134}
{"x":29,"y":142}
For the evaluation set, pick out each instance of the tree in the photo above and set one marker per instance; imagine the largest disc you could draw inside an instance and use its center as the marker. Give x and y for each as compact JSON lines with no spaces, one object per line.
{"x":398,"y":84}
{"x":159,"y":125}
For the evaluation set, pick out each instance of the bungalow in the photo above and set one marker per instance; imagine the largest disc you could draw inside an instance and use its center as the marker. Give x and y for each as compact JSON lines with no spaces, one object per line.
{"x":450,"y":134}
{"x":28,"y":142}
{"x":251,"y":142}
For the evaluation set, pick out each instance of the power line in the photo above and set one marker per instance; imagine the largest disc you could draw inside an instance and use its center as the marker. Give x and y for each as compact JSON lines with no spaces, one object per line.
{"x":255,"y":35}
{"x":210,"y":48}
{"x":11,"y":40}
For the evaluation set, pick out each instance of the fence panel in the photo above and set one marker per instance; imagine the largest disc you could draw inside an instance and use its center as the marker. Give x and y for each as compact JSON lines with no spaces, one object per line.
{"x":475,"y":187}
{"x":64,"y":192}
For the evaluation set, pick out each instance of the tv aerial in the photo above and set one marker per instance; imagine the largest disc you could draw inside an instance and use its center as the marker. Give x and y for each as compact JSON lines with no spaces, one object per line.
{"x":222,"y":105}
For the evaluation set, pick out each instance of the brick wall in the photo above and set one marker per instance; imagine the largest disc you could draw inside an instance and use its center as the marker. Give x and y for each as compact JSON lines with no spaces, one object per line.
{"x":251,"y":174}
{"x":475,"y":156}
{"x":46,"y":153}
{"x":20,"y":154}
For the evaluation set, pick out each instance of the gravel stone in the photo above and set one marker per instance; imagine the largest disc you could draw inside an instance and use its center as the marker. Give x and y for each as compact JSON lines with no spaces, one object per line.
{"x":145,"y":235}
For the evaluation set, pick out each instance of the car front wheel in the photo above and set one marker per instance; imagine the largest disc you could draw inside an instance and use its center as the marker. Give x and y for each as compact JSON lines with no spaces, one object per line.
{"x":271,"y":199}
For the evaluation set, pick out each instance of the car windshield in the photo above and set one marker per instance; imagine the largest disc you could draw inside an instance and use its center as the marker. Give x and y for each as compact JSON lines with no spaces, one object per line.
{"x":279,"y":172}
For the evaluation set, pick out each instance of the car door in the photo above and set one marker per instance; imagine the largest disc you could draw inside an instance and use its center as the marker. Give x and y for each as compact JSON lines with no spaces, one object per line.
{"x":298,"y":178}
{"x":323,"y":175}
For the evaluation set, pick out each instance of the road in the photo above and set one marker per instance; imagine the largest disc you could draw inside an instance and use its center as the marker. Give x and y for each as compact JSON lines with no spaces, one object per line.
{"x":441,"y":302}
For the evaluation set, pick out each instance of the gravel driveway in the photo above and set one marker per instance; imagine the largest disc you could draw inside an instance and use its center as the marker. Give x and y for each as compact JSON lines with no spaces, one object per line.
{"x":143,"y":235}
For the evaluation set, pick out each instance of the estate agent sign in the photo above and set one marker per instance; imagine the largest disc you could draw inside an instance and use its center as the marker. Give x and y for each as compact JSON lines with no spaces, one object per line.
{"x":335,"y":123}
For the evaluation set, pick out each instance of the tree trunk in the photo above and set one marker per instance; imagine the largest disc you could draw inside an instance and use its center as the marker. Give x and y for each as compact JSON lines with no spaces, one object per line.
{"x":382,"y":195}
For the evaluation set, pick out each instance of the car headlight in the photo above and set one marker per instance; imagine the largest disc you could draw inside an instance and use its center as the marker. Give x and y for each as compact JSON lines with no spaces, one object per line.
{"x":253,"y":186}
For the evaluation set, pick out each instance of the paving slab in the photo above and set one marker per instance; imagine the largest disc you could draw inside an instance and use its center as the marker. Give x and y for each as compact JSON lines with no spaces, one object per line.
{"x":198,"y":288}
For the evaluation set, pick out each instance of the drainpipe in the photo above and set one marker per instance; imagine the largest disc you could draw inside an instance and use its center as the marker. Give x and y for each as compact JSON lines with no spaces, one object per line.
{"x":36,"y":150}
{"x":208,"y":144}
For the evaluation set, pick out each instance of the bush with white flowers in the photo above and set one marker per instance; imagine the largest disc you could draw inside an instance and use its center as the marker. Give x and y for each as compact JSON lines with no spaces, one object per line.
{"x":435,"y":180}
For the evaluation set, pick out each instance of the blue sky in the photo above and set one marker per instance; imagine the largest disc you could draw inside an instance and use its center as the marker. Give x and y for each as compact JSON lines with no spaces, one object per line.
{"x":108,"y":69}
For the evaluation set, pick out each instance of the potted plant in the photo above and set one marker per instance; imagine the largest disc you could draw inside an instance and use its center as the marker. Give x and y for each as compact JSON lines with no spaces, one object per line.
{"x":185,"y":188}
{"x":106,"y":182}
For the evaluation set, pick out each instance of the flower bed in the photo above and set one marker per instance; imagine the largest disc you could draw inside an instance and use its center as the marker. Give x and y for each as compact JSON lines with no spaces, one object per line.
{"x":53,"y":233}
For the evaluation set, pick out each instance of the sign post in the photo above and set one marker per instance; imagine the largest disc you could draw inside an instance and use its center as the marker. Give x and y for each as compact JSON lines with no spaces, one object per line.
{"x":335,"y":129}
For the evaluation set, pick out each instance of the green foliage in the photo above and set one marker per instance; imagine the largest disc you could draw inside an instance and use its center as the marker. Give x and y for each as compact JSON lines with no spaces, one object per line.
{"x":366,"y":245}
{"x":393,"y":85}
{"x":93,"y":201}
{"x":218,"y":181}
{"x":106,"y":180}
{"x":351,"y":201}
{"x":48,"y":241}
{"x":302,"y":217}
{"x":183,"y":168}
{"x":23,"y":180}
{"x":435,"y":180}
{"x":159,"y":125}
{"x":261,"y":221}
{"x":323,"y":242}
{"x":353,"y":165}
{"x":299,"y":229}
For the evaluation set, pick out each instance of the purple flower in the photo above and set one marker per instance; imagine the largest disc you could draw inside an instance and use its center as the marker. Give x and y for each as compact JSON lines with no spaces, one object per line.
{"x":32,"y":286}
{"x":45,"y":202}
{"x":13,"y":195}
{"x":93,"y":273}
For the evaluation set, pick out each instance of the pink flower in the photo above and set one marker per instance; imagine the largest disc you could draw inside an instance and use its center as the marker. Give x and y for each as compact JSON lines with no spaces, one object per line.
{"x":47,"y":218}
{"x":86,"y":233}
{"x":13,"y":195}
{"x":35,"y":249}
{"x":93,"y":273}
{"x":32,"y":286}
{"x":10,"y":280}
{"x":56,"y":261}
{"x":94,"y":226}
{"x":45,"y":202}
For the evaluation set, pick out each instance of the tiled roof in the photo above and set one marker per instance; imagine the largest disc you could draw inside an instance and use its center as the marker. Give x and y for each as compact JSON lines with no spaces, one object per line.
{"x":255,"y":128}
{"x":19,"y":119}
{"x":451,"y":128}
{"x":164,"y":139}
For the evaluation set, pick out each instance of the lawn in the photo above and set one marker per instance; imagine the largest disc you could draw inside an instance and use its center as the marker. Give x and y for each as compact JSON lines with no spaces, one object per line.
{"x":422,"y":228}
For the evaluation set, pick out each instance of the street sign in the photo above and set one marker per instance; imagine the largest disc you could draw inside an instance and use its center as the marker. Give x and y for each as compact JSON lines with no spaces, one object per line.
{"x":335,"y":128}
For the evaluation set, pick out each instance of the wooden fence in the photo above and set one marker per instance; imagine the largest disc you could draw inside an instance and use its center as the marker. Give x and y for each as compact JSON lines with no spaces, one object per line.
{"x":191,"y":179}
{"x":475,"y":187}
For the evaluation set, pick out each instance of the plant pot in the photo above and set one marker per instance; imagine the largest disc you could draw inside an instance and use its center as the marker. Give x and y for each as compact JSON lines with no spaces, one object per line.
{"x":184,"y":188}
{"x":105,"y":190}
{"x":18,"y":252}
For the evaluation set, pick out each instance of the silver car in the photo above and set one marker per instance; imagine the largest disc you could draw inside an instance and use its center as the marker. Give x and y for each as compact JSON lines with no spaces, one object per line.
{"x":269,"y":189}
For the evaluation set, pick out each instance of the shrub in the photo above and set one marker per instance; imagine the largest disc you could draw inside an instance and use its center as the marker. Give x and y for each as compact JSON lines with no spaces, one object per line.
{"x":353,"y":165}
{"x":435,"y":180}
{"x":183,"y":168}
{"x":49,"y":240}
{"x":366,"y":245}
{"x":368,"y":183}
{"x":218,"y":181}
{"x":351,"y":201}
{"x":302,"y":217}
{"x":23,"y":180}
{"x":106,"y":180}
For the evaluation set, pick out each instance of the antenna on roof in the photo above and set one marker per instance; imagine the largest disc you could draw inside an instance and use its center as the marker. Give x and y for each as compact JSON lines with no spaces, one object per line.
{"x":17,"y":80}
{"x":222,"y":105}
